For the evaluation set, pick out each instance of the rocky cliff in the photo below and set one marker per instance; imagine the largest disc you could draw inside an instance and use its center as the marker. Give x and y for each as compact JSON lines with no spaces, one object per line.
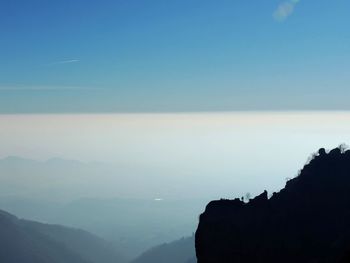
{"x":307,"y":221}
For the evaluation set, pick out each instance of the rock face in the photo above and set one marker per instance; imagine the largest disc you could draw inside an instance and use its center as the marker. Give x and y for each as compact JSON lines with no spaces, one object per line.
{"x":307,"y":221}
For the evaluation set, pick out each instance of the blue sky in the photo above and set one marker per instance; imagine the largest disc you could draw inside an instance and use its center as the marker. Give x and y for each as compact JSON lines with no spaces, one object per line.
{"x":168,"y":56}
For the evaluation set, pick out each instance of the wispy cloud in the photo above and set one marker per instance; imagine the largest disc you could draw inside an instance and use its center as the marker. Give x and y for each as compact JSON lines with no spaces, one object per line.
{"x":42,"y":88}
{"x":66,"y":61}
{"x":284,"y":10}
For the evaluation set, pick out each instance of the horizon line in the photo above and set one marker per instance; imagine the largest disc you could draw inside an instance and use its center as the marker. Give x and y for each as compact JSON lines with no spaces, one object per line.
{"x":180,"y":112}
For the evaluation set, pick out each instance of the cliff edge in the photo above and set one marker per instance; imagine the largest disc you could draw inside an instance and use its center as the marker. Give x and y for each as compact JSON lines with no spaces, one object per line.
{"x":307,"y":221}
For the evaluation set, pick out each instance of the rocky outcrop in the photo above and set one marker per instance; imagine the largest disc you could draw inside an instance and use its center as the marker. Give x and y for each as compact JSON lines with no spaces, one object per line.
{"x":307,"y":221}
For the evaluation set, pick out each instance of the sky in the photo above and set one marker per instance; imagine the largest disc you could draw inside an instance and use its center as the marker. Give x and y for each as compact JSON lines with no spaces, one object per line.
{"x":178,"y":155}
{"x":207,"y":83}
{"x":173,"y":56}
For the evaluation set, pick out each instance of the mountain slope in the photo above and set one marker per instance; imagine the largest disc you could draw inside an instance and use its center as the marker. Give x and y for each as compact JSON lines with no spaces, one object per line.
{"x":32,"y":242}
{"x":307,"y":221}
{"x":89,"y":196}
{"x":179,"y":251}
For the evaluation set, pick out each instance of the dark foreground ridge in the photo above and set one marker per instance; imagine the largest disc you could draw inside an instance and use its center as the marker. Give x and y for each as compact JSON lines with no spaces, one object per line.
{"x":307,"y":221}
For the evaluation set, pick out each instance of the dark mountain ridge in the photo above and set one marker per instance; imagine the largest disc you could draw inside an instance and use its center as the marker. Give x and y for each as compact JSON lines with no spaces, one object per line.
{"x":179,"y":251}
{"x":307,"y":221}
{"x":23,"y":241}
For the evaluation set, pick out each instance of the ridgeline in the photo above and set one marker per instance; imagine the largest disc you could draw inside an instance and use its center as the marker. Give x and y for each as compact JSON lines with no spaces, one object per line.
{"x":307,"y":221}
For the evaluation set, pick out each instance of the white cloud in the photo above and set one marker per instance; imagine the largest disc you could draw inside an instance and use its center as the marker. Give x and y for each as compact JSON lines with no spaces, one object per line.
{"x":284,"y":10}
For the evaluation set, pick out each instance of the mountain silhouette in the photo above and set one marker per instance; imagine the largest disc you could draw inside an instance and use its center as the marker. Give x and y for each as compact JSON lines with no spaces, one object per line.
{"x":307,"y":221}
{"x":23,"y":241}
{"x":179,"y":251}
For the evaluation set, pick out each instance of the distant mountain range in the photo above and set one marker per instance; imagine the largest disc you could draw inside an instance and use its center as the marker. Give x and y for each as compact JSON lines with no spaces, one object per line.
{"x":83,"y":195}
{"x":23,"y":241}
{"x":307,"y":221}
